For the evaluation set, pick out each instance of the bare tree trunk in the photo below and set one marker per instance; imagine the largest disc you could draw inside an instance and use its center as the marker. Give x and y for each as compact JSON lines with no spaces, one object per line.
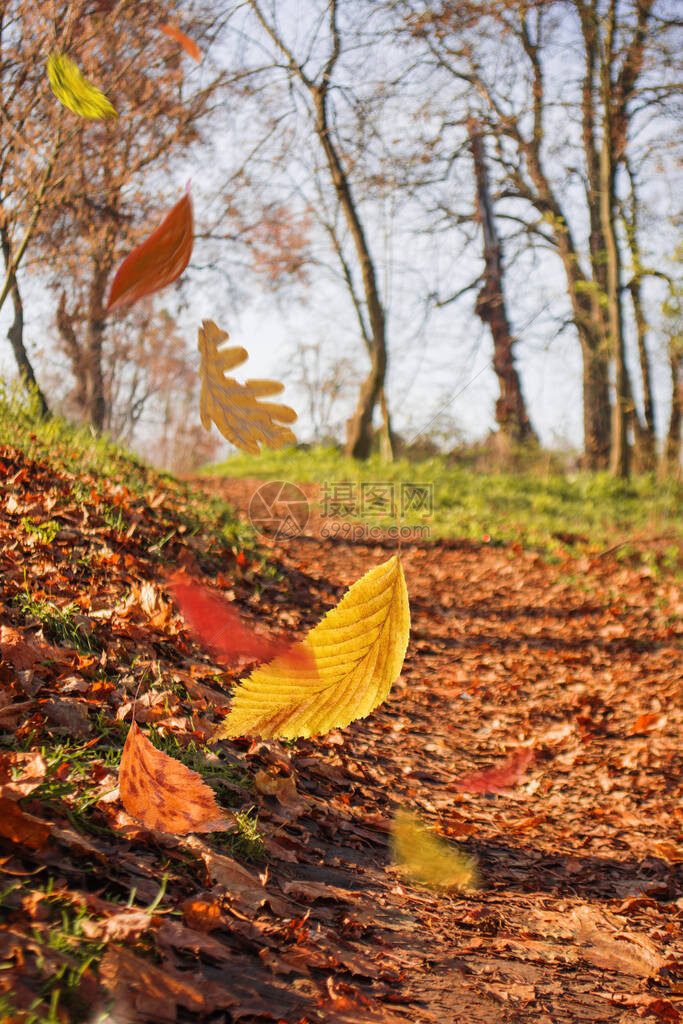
{"x":359,"y":434}
{"x":511,"y":414}
{"x":15,"y":333}
{"x":387,"y":442}
{"x":647,"y":434}
{"x":96,"y":399}
{"x":590,"y":328}
{"x":67,"y":331}
{"x":672,"y":446}
{"x":619,"y":456}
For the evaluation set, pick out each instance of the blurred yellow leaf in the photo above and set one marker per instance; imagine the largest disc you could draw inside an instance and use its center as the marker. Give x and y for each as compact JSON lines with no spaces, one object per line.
{"x":424,"y":857}
{"x":355,"y":654}
{"x":235,"y":408}
{"x":75,"y":91}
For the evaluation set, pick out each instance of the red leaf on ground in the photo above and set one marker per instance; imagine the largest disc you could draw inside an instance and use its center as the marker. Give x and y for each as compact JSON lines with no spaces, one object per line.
{"x":157,"y":261}
{"x":219,"y":628}
{"x":188,"y":45}
{"x":495,"y":780}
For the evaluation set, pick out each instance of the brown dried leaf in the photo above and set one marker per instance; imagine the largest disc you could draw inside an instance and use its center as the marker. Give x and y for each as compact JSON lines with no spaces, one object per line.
{"x":143,"y":991}
{"x":235,"y":408}
{"x":164,"y":794}
{"x":22,"y":828}
{"x":202,"y":915}
{"x":128,"y":925}
{"x":282,"y":787}
{"x":625,"y":953}
{"x":33,"y":770}
{"x":19,"y":652}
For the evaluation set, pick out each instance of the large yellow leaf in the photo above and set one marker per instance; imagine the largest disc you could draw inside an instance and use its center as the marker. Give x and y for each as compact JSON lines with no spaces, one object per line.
{"x":233,"y":407}
{"x":75,"y":91}
{"x":355,"y":654}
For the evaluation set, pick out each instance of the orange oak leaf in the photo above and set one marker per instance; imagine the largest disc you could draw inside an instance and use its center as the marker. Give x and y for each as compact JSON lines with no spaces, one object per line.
{"x":164,"y":794}
{"x":495,"y":780}
{"x":219,"y":628}
{"x":157,"y":261}
{"x":188,"y":45}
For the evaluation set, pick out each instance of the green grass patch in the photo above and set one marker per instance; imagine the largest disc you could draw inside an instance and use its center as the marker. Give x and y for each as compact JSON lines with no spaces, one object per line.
{"x":542,"y":510}
{"x":63,"y":955}
{"x":60,"y":624}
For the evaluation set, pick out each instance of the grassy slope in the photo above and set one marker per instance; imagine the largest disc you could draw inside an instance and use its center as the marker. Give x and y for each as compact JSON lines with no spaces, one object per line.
{"x":534,"y":509}
{"x":83,"y":527}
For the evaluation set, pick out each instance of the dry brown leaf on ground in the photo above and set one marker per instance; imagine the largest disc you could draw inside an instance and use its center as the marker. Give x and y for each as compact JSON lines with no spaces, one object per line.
{"x":31,"y":768}
{"x":21,"y":828}
{"x":622,"y":952}
{"x":164,"y":794}
{"x":19,"y":652}
{"x":282,"y":787}
{"x":237,"y":409}
{"x":143,"y":991}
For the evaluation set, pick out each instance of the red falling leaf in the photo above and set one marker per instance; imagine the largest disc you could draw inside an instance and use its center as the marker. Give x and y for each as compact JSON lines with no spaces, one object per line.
{"x":157,"y":261}
{"x":495,"y":780}
{"x":218,"y":627}
{"x":164,"y":794}
{"x":188,"y":45}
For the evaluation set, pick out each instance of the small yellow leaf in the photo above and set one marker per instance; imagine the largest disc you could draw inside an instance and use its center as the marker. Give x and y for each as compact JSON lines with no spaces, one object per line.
{"x":355,"y":654}
{"x":75,"y":91}
{"x":424,"y":857}
{"x":234,"y":408}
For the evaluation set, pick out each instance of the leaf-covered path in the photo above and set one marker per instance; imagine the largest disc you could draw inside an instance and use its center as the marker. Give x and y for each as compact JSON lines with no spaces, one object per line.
{"x":581,"y":906}
{"x":579,"y":914}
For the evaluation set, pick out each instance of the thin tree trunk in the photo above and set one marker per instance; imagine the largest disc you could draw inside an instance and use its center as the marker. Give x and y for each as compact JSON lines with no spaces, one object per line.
{"x":96,"y":399}
{"x":619,"y":456}
{"x":359,"y":435}
{"x":67,"y":331}
{"x":359,"y":432}
{"x":16,"y":332}
{"x":672,"y":446}
{"x":511,"y":414}
{"x":594,"y":346}
{"x":646,"y":437}
{"x":386,"y":440}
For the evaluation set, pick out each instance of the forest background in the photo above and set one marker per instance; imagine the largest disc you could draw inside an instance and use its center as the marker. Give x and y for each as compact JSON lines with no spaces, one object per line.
{"x":431,"y":220}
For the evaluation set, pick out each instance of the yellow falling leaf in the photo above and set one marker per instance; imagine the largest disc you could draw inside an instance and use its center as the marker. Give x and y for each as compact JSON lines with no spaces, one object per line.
{"x":235,"y":408}
{"x":75,"y":91}
{"x":424,"y":857}
{"x":353,"y":656}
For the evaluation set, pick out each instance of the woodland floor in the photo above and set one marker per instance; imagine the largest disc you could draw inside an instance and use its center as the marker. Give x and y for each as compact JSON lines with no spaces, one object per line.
{"x":579,"y":917}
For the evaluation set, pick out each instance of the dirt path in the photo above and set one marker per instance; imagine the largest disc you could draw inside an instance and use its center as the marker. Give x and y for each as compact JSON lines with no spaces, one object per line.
{"x":579,"y":917}
{"x":102,"y":919}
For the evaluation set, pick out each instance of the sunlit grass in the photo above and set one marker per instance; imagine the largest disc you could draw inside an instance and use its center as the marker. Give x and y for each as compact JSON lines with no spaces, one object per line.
{"x":548,"y":511}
